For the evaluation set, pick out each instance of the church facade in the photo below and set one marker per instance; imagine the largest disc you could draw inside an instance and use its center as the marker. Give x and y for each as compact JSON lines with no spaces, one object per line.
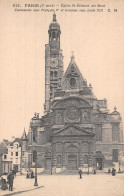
{"x":77,"y":129}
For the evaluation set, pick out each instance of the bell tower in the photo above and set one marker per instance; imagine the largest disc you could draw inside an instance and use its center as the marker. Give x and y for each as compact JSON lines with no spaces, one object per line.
{"x":53,"y":63}
{"x":54,"y":36}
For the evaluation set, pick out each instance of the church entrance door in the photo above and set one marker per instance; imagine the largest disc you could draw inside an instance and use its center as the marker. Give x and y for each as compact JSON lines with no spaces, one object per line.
{"x":72,"y":162}
{"x":99,"y":163}
{"x":48,"y":164}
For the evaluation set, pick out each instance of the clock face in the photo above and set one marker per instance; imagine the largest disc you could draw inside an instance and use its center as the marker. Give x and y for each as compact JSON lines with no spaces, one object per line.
{"x":54,"y":62}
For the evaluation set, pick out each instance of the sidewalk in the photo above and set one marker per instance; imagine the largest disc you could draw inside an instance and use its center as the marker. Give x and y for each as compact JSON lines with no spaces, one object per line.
{"x":21,"y":185}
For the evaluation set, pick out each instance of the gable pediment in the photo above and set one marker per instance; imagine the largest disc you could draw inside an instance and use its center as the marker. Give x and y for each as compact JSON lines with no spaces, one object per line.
{"x":73,"y":78}
{"x":73,"y":131}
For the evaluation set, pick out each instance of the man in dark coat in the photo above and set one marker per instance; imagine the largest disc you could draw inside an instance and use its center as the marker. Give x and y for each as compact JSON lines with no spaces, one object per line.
{"x":27,"y":176}
{"x":80,"y":173}
{"x":113,"y":172}
{"x":10,"y":181}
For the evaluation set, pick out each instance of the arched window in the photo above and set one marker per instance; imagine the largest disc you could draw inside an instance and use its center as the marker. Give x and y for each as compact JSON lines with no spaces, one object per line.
{"x":34,"y":135}
{"x":115,"y":132}
{"x":59,"y":159}
{"x":85,"y":159}
{"x":99,"y":132}
{"x":53,"y":35}
{"x":34,"y":155}
{"x":115,"y":155}
{"x":58,"y":36}
{"x":55,"y":74}
{"x":51,"y":74}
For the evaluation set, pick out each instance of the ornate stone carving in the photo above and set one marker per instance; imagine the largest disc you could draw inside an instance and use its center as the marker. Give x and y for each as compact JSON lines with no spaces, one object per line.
{"x":58,"y":147}
{"x":86,"y":117}
{"x":78,"y":102}
{"x":84,"y":147}
{"x":72,"y":82}
{"x":72,"y":113}
{"x":58,"y":119}
{"x":72,"y":131}
{"x":72,"y":149}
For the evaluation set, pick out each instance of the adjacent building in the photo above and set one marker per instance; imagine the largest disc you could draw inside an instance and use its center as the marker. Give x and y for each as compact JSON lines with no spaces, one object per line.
{"x":12,"y":159}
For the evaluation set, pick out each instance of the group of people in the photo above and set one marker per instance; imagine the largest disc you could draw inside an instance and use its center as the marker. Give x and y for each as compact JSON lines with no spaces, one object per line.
{"x":113,"y":171}
{"x":7,"y":180}
{"x":94,"y":172}
{"x":30,"y":174}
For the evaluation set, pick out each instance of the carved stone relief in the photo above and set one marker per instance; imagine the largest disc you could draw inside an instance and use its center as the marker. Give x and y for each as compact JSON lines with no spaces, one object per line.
{"x":72,"y":113}
{"x":58,"y":119}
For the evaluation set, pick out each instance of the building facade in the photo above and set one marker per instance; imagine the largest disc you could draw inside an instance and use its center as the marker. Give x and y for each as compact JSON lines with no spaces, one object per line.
{"x":77,"y":129}
{"x":12,"y":159}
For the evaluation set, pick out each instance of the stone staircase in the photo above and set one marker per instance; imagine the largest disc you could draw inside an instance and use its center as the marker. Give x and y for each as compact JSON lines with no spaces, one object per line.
{"x":46,"y":172}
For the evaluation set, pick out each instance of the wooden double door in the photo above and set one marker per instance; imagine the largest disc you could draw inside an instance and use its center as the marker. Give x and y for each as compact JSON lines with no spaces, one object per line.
{"x":72,"y":162}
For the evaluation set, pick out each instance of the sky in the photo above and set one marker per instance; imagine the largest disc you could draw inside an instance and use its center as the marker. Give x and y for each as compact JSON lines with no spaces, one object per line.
{"x":97,"y":40}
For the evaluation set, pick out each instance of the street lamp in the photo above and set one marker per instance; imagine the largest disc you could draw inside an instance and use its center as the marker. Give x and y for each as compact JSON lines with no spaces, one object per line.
{"x":88,"y":167}
{"x":35,"y":183}
{"x":88,"y":164}
{"x":119,"y":162}
{"x":51,"y":166}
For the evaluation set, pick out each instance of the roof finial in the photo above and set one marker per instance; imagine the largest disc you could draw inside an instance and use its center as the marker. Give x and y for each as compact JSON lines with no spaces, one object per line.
{"x":115,"y":108}
{"x":72,"y":56}
{"x":90,"y":85}
{"x":54,"y":17}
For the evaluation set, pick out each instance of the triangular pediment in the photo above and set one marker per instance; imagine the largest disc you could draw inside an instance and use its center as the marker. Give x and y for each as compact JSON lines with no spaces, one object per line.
{"x":73,"y":131}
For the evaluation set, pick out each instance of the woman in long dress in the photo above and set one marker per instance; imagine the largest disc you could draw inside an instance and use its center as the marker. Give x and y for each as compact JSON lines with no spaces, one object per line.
{"x":4,"y":185}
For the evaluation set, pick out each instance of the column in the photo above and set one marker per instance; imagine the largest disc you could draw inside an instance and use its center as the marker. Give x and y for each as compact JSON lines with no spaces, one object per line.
{"x":53,"y":158}
{"x":80,"y":156}
{"x":63,"y":157}
{"x":90,"y":154}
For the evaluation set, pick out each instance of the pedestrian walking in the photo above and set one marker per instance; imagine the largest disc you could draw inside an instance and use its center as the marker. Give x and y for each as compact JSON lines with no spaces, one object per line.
{"x":80,"y":173}
{"x":10,"y":181}
{"x":14,"y":173}
{"x":94,"y":171}
{"x":27,"y":176}
{"x":113,"y":172}
{"x":109,"y":171}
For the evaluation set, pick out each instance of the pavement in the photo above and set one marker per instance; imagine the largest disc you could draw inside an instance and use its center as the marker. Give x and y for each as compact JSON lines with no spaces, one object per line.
{"x":69,"y":185}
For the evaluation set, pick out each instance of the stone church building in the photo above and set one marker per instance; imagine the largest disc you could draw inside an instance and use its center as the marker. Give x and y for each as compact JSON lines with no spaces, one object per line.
{"x":77,"y":129}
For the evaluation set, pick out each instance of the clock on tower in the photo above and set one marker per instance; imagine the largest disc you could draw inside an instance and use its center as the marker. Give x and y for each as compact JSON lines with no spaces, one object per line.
{"x":54,"y":62}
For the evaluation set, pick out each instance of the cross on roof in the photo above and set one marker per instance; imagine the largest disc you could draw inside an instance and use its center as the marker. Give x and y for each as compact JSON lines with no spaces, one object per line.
{"x":72,"y":56}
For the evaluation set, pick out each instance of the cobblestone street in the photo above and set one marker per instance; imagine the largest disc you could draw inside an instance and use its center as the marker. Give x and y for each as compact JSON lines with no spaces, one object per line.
{"x":69,"y":185}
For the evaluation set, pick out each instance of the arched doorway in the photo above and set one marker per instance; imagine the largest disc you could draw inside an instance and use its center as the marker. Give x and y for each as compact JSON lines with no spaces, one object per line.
{"x":48,"y":159}
{"x":99,"y":160}
{"x":72,"y":157}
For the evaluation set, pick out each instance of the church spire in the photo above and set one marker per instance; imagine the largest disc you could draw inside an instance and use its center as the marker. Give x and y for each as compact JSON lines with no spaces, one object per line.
{"x":24,"y":135}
